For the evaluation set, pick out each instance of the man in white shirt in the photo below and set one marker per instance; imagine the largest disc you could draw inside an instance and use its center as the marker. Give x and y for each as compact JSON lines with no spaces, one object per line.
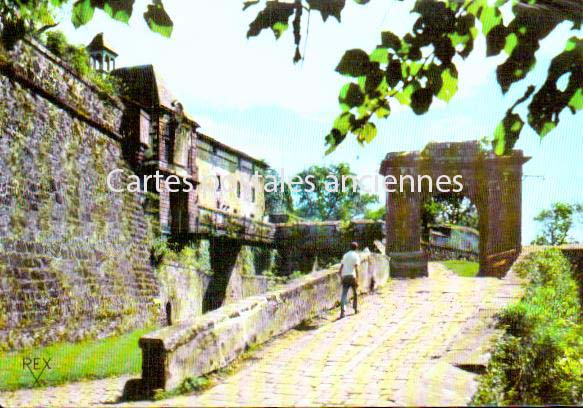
{"x":349,"y":275}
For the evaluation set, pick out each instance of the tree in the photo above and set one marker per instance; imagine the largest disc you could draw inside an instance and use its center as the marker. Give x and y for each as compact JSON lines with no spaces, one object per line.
{"x":454,"y":208}
{"x":278,"y":200}
{"x":557,"y":223}
{"x":421,"y":66}
{"x":330,"y":193}
{"x":20,"y":17}
{"x":377,"y":214}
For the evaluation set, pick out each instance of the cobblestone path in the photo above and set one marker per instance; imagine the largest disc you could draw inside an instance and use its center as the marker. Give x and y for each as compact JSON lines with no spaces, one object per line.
{"x":414,"y":342}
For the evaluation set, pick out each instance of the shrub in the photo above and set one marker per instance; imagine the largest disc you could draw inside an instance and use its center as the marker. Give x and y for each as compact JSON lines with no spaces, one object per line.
{"x":539,"y":360}
{"x":78,"y":58}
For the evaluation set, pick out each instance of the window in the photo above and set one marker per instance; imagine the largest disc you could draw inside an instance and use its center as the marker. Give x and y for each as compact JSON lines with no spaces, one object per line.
{"x":238,"y":189}
{"x":253,"y":194}
{"x":179,"y":213}
{"x":245,"y":166}
{"x":218,"y":183}
{"x":168,"y":141}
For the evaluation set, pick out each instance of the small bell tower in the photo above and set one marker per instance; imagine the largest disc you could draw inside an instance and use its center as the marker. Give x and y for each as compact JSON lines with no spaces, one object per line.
{"x":101,"y":54}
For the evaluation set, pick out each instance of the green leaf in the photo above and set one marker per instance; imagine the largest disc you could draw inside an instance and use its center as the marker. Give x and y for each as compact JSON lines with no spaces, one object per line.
{"x":490,"y":18}
{"x":158,"y":20}
{"x":382,"y":112}
{"x":366,"y":133}
{"x":506,"y":133}
{"x":449,"y":84}
{"x":421,"y":100}
{"x":82,"y":13}
{"x":355,"y":63}
{"x":273,"y":13}
{"x":571,"y":44}
{"x":393,"y":74}
{"x":343,"y":123}
{"x":380,"y":55}
{"x":510,"y":44}
{"x":499,"y":139}
{"x":547,"y":128}
{"x":404,"y":97}
{"x":350,"y":96}
{"x":390,"y":40}
{"x":120,"y":10}
{"x":279,"y":28}
{"x":576,"y":102}
{"x":328,"y":7}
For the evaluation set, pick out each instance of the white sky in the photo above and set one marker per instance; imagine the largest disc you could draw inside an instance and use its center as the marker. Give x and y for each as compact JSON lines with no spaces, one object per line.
{"x":249,"y":94}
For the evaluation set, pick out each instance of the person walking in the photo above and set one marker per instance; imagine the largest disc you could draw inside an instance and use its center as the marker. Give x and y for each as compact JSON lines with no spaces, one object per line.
{"x":349,"y":277}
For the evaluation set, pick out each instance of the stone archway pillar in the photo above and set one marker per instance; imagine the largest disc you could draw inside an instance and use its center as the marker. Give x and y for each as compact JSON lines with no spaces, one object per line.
{"x":403,"y":228}
{"x":501,"y":214}
{"x":403,"y":240}
{"x":493,"y":183}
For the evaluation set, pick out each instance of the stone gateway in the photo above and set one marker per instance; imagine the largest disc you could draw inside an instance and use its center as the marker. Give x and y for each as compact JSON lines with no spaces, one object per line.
{"x":493,"y":183}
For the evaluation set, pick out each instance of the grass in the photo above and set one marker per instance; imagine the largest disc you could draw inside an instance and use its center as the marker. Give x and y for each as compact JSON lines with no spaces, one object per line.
{"x":463,"y":268}
{"x":91,"y":359}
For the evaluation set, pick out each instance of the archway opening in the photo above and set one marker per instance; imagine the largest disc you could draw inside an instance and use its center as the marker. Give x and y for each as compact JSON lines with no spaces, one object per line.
{"x":450,"y":232}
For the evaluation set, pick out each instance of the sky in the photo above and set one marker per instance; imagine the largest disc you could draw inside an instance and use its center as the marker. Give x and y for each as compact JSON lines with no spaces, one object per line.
{"x":247,"y":92}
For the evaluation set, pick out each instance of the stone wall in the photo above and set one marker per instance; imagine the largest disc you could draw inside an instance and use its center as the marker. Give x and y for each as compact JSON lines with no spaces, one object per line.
{"x":191,"y":349}
{"x":74,"y":257}
{"x":201,"y":278}
{"x":441,"y":253}
{"x":309,"y":246}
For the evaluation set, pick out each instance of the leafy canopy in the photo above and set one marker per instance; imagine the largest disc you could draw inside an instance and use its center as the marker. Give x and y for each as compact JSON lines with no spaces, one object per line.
{"x":413,"y":70}
{"x":321,"y":194}
{"x":449,"y":208}
{"x":557,"y":223}
{"x":23,"y":16}
{"x":416,"y":69}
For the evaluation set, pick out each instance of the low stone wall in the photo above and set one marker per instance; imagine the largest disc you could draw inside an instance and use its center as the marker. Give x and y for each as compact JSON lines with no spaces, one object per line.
{"x":214,"y":340}
{"x":253,"y":285}
{"x":188,"y":281}
{"x":182,"y":291}
{"x":308,"y":246}
{"x":442,"y":253}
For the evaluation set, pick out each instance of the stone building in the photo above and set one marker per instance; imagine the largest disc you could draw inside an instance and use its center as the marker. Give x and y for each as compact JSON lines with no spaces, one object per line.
{"x":228,"y":179}
{"x":163,"y":138}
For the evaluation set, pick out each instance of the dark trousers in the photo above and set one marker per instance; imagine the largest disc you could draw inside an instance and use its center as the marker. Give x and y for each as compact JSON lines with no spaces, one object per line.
{"x":348,"y":282}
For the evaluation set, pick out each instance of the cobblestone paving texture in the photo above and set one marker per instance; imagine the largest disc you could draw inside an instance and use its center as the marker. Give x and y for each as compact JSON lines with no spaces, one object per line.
{"x":405,"y":347}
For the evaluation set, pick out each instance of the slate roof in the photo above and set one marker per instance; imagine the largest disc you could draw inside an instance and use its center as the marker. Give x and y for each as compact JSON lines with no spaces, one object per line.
{"x":145,"y":86}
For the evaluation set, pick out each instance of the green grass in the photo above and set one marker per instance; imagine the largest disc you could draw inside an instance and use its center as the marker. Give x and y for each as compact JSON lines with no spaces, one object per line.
{"x":466,"y":269}
{"x":91,"y":359}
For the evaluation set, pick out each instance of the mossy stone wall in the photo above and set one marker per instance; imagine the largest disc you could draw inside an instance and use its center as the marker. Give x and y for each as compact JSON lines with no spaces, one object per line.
{"x":191,"y":286}
{"x":74,"y":257}
{"x":309,"y":246}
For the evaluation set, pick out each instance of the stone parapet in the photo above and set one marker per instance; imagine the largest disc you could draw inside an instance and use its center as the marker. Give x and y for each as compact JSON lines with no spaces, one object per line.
{"x":214,"y":340}
{"x":306,"y":246}
{"x":35,"y":67}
